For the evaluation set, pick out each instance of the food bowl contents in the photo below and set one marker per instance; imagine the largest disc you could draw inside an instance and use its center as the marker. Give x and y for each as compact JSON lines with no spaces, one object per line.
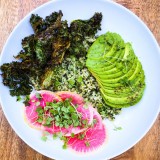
{"x":70,"y":79}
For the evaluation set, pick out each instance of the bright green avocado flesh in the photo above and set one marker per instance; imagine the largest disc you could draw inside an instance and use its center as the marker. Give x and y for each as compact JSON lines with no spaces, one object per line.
{"x":117,"y":70}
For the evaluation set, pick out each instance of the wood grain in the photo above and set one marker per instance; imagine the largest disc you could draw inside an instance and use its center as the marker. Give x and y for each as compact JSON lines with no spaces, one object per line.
{"x":11,"y":146}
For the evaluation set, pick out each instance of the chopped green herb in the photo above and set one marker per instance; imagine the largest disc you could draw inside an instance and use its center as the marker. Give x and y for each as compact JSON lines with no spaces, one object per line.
{"x":87,"y":143}
{"x":26,"y":100}
{"x":94,"y":121}
{"x":55,"y":136}
{"x":37,"y":103}
{"x":48,"y":121}
{"x":64,"y":146}
{"x":19,"y":98}
{"x":57,"y":124}
{"x":71,"y":82}
{"x":117,"y":128}
{"x":38,"y":96}
{"x":84,"y":121}
{"x":81,"y":136}
{"x":64,"y":138}
{"x":79,"y":79}
{"x":60,"y":135}
{"x":40,"y":120}
{"x":47,"y":103}
{"x":72,"y":135}
{"x":40,"y":111}
{"x":44,"y":138}
{"x":66,"y":126}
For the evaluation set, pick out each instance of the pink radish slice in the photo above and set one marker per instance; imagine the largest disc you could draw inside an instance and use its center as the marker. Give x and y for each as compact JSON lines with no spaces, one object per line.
{"x":87,"y":113}
{"x":30,"y":110}
{"x":94,"y":137}
{"x":76,"y":99}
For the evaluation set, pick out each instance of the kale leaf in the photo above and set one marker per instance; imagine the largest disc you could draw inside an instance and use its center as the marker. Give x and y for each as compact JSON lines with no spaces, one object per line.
{"x":16,"y":78}
{"x":45,"y":49}
{"x":38,"y":24}
{"x":83,"y":34}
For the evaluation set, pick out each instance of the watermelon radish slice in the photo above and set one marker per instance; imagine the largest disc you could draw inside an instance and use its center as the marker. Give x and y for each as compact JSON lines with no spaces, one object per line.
{"x":31,"y":115}
{"x":86,"y":113}
{"x":76,"y":98}
{"x":94,"y":137}
{"x":85,"y":139}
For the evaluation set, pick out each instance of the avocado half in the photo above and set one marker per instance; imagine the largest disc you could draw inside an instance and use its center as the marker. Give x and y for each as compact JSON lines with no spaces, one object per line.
{"x":117,"y":70}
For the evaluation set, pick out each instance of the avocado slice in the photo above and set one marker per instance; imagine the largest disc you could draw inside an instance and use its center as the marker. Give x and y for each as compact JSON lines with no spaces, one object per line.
{"x":126,"y":72}
{"x":132,"y":100}
{"x":125,"y":90}
{"x":119,"y":64}
{"x":131,"y":74}
{"x":104,"y":62}
{"x":117,"y":70}
{"x":128,"y":99}
{"x":105,"y":43}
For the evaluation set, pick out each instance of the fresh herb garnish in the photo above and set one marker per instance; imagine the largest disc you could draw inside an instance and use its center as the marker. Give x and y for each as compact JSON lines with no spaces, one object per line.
{"x":26,"y":100}
{"x":19,"y":98}
{"x":55,"y":136}
{"x":62,"y":114}
{"x":38,"y":96}
{"x":64,"y":146}
{"x":117,"y":128}
{"x":37,"y":103}
{"x":44,"y":138}
{"x":87,"y":143}
{"x":81,"y":136}
{"x":72,"y":135}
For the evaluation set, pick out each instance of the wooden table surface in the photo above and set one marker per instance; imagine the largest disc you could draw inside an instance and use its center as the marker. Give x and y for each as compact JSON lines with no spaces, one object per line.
{"x":11,"y":146}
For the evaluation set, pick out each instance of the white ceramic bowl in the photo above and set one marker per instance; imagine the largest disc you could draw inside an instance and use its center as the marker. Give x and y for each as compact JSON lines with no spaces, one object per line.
{"x":135,"y":121}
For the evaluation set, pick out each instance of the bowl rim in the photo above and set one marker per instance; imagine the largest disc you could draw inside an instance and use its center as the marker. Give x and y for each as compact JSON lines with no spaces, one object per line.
{"x":108,"y":1}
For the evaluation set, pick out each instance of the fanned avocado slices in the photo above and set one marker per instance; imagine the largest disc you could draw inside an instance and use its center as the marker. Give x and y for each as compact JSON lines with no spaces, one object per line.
{"x":117,"y":70}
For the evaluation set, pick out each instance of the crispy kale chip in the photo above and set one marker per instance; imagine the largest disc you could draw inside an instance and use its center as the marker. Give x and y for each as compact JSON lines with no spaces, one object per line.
{"x":45,"y":49}
{"x":37,"y":23}
{"x":54,"y":41}
{"x":16,"y":78}
{"x":83,"y":34}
